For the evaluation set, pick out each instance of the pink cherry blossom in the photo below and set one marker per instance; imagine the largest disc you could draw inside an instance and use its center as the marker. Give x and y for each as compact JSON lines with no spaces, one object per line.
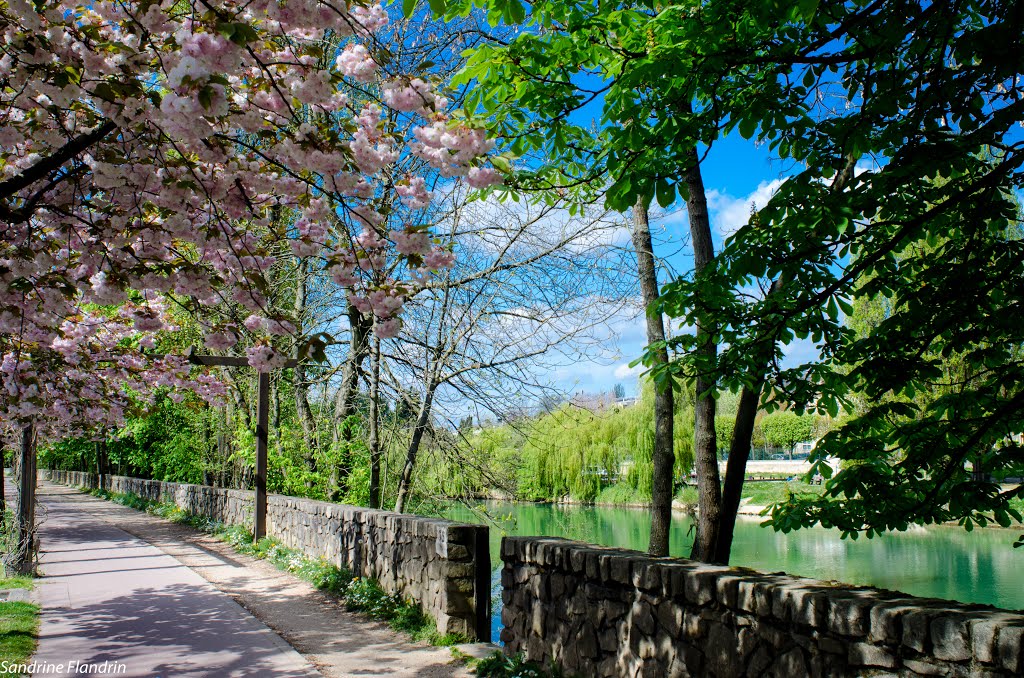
{"x":387,"y":329}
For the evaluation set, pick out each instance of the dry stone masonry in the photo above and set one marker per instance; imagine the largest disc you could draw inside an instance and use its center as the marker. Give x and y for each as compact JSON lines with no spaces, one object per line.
{"x":607,"y":612}
{"x":444,"y":566}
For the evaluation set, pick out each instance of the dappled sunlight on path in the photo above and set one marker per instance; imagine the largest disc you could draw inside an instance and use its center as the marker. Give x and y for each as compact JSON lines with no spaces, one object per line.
{"x":108,"y":596}
{"x":339,"y":643}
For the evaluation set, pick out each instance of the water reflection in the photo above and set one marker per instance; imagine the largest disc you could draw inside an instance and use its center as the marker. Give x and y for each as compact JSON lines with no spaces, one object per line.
{"x":935,"y":562}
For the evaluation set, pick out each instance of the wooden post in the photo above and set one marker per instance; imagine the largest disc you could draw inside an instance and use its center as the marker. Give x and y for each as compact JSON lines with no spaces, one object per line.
{"x":262,"y":426}
{"x":27,"y":504}
{"x":3,"y":488}
{"x":99,"y":465}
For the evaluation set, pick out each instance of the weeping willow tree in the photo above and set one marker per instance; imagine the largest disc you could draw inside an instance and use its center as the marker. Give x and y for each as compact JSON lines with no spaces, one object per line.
{"x":570,"y":453}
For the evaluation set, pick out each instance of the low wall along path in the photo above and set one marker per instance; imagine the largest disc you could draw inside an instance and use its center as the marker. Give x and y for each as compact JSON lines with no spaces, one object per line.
{"x":610,"y":612}
{"x":604,"y":612}
{"x":442,"y":565}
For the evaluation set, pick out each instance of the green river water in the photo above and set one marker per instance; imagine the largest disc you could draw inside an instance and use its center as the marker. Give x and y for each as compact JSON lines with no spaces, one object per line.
{"x":935,"y":562}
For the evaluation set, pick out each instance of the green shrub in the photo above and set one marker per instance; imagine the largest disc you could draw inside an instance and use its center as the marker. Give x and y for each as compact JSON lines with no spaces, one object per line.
{"x":498,"y":665}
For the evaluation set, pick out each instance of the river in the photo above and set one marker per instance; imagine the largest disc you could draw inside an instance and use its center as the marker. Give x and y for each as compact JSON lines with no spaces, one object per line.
{"x":935,"y":562}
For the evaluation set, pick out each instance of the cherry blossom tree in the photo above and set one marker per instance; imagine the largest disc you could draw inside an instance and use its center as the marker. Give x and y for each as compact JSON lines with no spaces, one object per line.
{"x":147,"y":146}
{"x":147,"y":152}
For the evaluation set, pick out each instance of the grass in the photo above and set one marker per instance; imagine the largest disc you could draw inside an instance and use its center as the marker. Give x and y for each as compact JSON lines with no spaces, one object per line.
{"x":19,"y":582}
{"x":19,"y":628}
{"x":771,"y":492}
{"x":620,"y":494}
{"x":358,"y":594}
{"x":761,"y":493}
{"x":19,"y":625}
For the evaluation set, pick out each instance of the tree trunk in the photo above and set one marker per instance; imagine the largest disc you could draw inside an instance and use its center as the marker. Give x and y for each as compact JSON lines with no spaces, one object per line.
{"x":24,"y":562}
{"x":663,"y":455}
{"x":345,"y":401}
{"x":100,"y":466}
{"x":736,"y":469}
{"x":705,"y":452}
{"x":299,"y":382}
{"x":739,"y":450}
{"x":373,"y":440}
{"x":422,"y":421}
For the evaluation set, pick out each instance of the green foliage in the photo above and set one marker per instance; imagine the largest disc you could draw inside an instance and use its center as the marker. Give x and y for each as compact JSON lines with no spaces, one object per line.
{"x":786,"y":429}
{"x":904,"y":192}
{"x":587,"y":456}
{"x":723,"y":431}
{"x":499,"y":665}
{"x":622,"y":494}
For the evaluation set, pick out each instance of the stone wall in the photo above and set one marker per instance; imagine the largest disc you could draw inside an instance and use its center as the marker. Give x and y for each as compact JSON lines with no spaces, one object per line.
{"x":444,"y":566}
{"x":608,"y":612}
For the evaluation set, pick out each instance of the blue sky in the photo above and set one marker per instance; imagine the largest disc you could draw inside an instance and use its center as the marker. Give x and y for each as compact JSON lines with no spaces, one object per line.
{"x":737,"y":172}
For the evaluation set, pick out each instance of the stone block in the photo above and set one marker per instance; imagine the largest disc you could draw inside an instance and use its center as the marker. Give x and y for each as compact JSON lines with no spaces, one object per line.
{"x":693,"y":626}
{"x":619,"y":568}
{"x":727,"y":589}
{"x":884,"y":621}
{"x":1011,"y":649}
{"x":831,"y":645}
{"x":924,"y":668}
{"x":951,"y":640}
{"x":721,"y":650}
{"x":700,"y":585}
{"x":586,"y":642}
{"x":609,"y":639}
{"x":698,"y":591}
{"x":796,"y":602}
{"x":849,"y":613}
{"x":642,"y":617}
{"x":670,"y":617}
{"x":866,"y":654}
{"x":758,"y":663}
{"x":984,"y":631}
{"x":646,"y":575}
{"x":915,"y":626}
{"x":791,"y":664}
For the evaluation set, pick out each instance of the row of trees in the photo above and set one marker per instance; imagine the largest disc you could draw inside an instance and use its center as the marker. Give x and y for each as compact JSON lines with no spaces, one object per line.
{"x":301,"y":182}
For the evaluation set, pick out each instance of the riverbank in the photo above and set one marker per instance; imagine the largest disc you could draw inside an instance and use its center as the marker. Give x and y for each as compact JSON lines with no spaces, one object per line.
{"x":756,"y":498}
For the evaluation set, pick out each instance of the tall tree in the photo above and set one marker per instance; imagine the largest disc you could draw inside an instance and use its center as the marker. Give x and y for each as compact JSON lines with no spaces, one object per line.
{"x":664,"y":410}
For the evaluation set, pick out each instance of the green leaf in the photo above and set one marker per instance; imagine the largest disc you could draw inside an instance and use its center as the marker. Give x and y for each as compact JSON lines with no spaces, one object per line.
{"x":516,"y":12}
{"x":807,"y":8}
{"x":666,"y":193}
{"x":409,"y":6}
{"x":748,"y":126}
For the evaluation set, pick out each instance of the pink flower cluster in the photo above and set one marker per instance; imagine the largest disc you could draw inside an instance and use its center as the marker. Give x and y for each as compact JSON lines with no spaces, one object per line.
{"x":413,"y":95}
{"x":355,"y":62}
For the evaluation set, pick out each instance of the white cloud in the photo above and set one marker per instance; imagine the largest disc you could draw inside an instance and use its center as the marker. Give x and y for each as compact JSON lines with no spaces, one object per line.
{"x":729,"y":213}
{"x":624,"y":371}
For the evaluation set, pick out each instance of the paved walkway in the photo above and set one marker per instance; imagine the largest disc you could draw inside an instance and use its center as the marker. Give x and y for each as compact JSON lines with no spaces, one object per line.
{"x":111,"y":599}
{"x":124,"y":585}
